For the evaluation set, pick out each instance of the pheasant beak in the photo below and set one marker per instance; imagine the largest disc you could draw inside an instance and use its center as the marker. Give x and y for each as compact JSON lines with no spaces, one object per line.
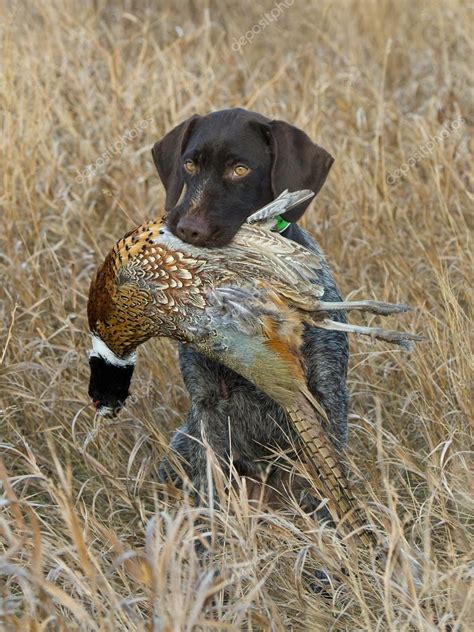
{"x":103,"y":410}
{"x":108,"y":412}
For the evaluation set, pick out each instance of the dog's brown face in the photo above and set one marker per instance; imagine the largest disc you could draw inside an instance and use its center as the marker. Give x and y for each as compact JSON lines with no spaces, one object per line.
{"x":218,"y":169}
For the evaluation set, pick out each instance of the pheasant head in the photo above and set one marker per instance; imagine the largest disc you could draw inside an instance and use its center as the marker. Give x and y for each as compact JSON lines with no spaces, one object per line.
{"x":141,"y":290}
{"x":114,"y":324}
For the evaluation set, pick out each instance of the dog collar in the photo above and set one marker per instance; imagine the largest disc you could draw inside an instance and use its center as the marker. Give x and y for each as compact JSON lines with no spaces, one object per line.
{"x":281,"y":224}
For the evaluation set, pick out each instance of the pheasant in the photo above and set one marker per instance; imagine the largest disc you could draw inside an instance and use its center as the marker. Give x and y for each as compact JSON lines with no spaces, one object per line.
{"x":244,"y":305}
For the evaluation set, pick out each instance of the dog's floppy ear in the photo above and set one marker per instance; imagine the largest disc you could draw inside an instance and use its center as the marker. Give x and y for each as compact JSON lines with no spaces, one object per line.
{"x":167,"y":158}
{"x":298,"y":163}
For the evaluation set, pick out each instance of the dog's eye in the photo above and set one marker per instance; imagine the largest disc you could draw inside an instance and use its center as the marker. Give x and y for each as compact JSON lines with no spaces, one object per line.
{"x":240,"y":171}
{"x":190,"y":166}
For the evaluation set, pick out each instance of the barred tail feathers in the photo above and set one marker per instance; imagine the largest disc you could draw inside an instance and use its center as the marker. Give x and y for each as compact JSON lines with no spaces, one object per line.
{"x":324,"y":462}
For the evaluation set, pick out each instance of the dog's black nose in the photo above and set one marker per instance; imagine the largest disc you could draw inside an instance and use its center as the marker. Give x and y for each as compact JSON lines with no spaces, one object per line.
{"x":193,"y":230}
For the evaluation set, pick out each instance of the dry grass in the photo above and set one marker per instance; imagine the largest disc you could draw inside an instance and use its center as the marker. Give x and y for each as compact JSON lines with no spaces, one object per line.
{"x":86,"y":540}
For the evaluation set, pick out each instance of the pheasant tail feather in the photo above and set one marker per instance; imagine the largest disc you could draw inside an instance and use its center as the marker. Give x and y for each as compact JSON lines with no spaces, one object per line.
{"x":325,"y":463}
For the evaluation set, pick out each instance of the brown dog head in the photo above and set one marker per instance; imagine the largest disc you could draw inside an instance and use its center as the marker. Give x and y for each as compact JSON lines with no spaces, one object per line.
{"x":219,"y":168}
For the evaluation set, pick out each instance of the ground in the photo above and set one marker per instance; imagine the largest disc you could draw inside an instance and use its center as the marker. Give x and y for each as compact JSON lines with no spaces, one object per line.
{"x":87,"y":539}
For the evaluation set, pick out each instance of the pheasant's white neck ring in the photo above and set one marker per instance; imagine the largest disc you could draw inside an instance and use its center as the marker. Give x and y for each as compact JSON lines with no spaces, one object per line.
{"x":101,"y":350}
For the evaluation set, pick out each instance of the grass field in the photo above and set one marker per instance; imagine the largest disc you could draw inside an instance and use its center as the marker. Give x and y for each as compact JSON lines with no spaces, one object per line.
{"x":87,"y":539}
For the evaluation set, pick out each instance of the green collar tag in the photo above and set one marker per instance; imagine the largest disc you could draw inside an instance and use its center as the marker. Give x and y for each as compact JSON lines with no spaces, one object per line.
{"x":281,"y":224}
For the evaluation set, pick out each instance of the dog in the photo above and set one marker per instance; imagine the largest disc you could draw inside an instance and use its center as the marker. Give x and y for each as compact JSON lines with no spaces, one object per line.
{"x":218,"y":169}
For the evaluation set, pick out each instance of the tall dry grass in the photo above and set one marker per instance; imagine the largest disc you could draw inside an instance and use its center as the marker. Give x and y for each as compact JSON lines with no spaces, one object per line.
{"x":87,"y":539}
